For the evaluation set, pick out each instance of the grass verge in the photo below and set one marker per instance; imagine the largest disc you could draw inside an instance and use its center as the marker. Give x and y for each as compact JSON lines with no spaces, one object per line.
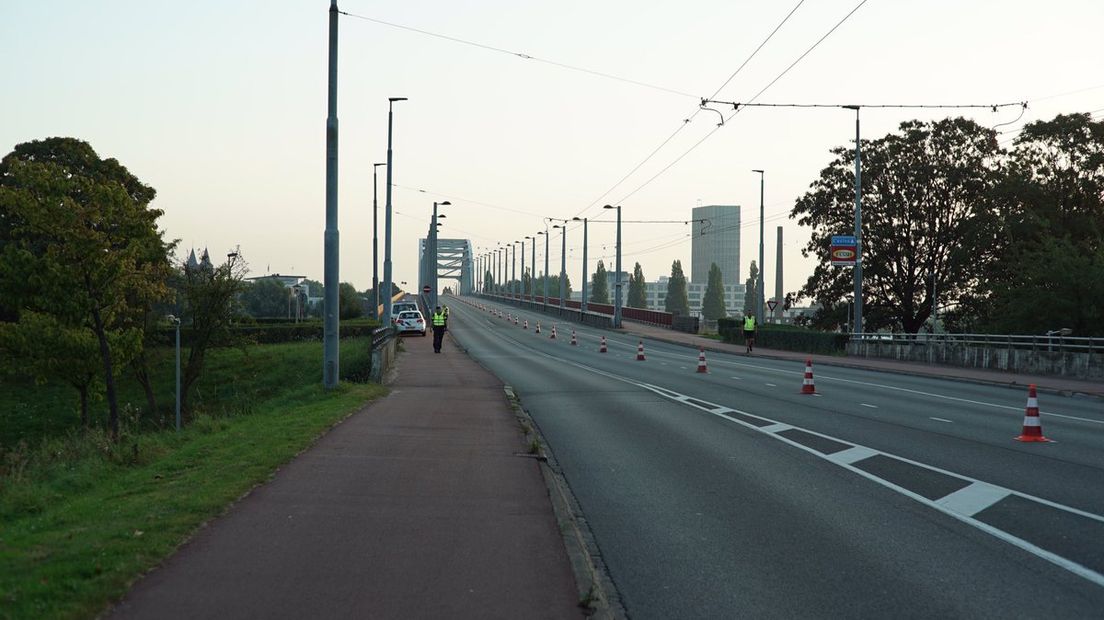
{"x":81,"y":518}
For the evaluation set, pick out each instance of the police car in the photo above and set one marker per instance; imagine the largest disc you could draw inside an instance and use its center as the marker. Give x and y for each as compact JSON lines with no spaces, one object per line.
{"x":410,"y":321}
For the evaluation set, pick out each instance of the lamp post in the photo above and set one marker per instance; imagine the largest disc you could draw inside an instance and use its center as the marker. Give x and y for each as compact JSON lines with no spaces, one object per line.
{"x":759,"y":282}
{"x":375,"y":239}
{"x":521,"y":280}
{"x":583,"y":292}
{"x":544,"y":290}
{"x":432,"y":262}
{"x":176,"y":323}
{"x":858,"y":326}
{"x":532,"y":268}
{"x":331,"y":245}
{"x":563,"y":262}
{"x":617,"y":278}
{"x":387,"y":282}
{"x":513,"y":268}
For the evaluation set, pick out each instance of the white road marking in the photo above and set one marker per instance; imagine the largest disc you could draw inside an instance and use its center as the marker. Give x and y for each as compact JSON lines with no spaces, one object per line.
{"x":941,"y":420}
{"x":852,"y":455}
{"x":774,"y":428}
{"x":737,"y":378}
{"x":770,"y":385}
{"x":869,"y":405}
{"x":973,"y":499}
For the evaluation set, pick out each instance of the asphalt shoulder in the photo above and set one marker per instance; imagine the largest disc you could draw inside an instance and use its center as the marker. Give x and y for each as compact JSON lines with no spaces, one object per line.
{"x":419,"y":505}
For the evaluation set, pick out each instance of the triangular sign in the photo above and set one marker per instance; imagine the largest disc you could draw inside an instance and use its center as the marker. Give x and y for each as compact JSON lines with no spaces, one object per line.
{"x":771,"y":304}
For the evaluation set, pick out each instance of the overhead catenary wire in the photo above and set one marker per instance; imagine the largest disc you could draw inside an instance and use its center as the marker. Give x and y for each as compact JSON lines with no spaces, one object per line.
{"x":520,"y":55}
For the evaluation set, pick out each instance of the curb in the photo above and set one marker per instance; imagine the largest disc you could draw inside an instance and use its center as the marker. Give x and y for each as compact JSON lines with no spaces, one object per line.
{"x":597,"y":594}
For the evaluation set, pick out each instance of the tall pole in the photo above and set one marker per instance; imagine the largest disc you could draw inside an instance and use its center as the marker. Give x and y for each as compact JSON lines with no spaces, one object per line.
{"x":563,"y":265}
{"x":546,"y":236}
{"x":617,"y":279}
{"x":375,"y":240}
{"x":431,"y":261}
{"x":583,"y":294}
{"x":521,"y":284}
{"x":332,"y":248}
{"x":513,"y":268}
{"x":388,"y":284}
{"x":532,"y":271}
{"x":760,"y":315}
{"x":498,"y":259}
{"x":778,"y":279}
{"x":858,"y":324}
{"x":177,"y":321}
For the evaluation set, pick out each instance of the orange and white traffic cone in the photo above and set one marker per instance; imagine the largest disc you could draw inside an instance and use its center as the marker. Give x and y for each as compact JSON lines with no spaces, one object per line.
{"x":640,"y":351}
{"x":526,"y":326}
{"x":574,"y":342}
{"x":515,"y":320}
{"x":538,"y":328}
{"x":1032,"y":428}
{"x":602,"y":349}
{"x":701,"y":360}
{"x":553,"y":336}
{"x":807,"y":386}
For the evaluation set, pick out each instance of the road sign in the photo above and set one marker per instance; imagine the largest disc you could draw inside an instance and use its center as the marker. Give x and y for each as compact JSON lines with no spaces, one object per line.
{"x":771,"y":304}
{"x":843,"y":251}
{"x":426,"y":289}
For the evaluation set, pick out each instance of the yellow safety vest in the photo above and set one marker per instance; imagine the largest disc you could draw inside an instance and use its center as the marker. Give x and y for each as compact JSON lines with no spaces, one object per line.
{"x":438,"y":319}
{"x":749,"y":323}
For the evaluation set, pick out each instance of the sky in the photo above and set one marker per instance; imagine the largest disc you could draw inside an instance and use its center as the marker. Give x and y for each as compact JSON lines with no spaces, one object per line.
{"x":220,"y":105}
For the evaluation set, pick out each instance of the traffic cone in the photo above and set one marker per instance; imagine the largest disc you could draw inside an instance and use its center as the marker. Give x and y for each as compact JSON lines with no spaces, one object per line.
{"x":640,"y":351}
{"x":538,"y":327}
{"x":553,"y":336}
{"x":1032,"y":428}
{"x":602,"y":349}
{"x":574,"y":342}
{"x":807,"y":386}
{"x":526,"y":326}
{"x":515,"y":320}
{"x":701,"y":360}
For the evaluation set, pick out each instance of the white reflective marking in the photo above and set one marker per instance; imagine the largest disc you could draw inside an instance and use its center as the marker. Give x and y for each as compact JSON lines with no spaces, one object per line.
{"x":774,"y":428}
{"x":941,"y":420}
{"x":869,"y":405}
{"x":770,"y":385}
{"x":1031,"y":421}
{"x":736,"y":378}
{"x":851,"y":455}
{"x":973,"y":499}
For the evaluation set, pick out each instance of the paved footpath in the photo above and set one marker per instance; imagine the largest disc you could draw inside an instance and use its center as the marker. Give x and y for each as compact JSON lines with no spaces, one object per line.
{"x":415,"y":507}
{"x":979,"y":375}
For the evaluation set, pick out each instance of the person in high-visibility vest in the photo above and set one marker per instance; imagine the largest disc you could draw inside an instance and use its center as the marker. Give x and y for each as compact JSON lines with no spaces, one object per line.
{"x":749,"y":331}
{"x":439,"y":322}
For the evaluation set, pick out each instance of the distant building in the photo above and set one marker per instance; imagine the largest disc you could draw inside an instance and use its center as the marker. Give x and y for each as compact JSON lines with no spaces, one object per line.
{"x":716,"y":240}
{"x":656,"y":294}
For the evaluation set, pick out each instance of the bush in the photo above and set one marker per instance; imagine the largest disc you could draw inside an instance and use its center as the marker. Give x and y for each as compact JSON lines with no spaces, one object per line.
{"x":785,"y":337}
{"x":264,"y":332}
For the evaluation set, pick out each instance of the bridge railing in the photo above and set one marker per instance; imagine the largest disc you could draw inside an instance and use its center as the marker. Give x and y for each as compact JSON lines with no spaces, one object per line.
{"x":1043,"y":342}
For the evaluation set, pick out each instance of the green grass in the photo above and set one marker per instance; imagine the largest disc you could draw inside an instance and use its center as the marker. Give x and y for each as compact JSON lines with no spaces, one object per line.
{"x":82,"y":517}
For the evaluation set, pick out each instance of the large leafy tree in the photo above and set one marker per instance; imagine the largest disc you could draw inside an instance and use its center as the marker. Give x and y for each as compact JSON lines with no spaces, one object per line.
{"x":266,"y":297}
{"x":713,"y":305}
{"x":349,"y":306}
{"x":927,"y":224}
{"x":751,"y":292}
{"x":599,"y":286}
{"x":677,"y":301}
{"x":79,"y":242}
{"x":1051,"y":246}
{"x":638,"y":297}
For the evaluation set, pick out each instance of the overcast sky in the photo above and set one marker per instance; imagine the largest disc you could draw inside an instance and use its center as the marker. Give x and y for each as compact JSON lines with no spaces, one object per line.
{"x":221,"y":104}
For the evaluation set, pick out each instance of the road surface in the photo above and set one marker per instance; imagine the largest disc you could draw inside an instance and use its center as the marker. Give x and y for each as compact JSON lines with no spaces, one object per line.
{"x":731,"y":494}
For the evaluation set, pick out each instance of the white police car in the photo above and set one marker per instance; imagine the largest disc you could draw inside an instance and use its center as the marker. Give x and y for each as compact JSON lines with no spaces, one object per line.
{"x":410,"y":321}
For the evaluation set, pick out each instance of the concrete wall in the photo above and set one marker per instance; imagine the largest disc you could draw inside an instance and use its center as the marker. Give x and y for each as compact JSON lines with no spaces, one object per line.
{"x":383,"y":357}
{"x":1077,"y":365}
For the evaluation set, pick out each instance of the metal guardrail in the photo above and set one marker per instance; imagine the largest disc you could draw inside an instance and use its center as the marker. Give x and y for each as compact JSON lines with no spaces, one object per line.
{"x":1043,"y":342}
{"x":381,"y":335}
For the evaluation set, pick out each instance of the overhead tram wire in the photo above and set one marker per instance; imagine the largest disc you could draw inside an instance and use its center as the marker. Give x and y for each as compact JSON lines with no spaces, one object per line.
{"x":521,"y":55}
{"x":737,"y":111}
{"x":694,"y":114}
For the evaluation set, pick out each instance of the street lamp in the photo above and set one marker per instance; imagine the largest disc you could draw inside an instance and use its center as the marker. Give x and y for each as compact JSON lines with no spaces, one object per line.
{"x":432,"y":258}
{"x":563,"y":262}
{"x":532,"y":265}
{"x":759,"y":283}
{"x":544,"y":288}
{"x":583,"y":299}
{"x":387,"y":284}
{"x":330,"y":239}
{"x":858,"y":326}
{"x":617,"y":278}
{"x":176,"y":323}
{"x":375,"y":240}
{"x":514,"y":282}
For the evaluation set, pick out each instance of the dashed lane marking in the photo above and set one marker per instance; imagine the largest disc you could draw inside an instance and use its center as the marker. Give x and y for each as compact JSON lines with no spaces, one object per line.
{"x":941,"y":420}
{"x":869,"y":405}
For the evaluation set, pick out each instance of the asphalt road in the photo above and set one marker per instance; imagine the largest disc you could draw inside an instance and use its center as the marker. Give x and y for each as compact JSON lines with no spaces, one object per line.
{"x":730,"y":494}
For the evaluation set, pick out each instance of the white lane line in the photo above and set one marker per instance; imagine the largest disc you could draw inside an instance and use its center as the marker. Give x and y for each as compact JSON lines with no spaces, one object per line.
{"x":851,"y":455}
{"x":869,"y":405}
{"x":682,"y":367}
{"x":941,"y":419}
{"x":770,"y":385}
{"x":973,"y":499}
{"x":774,"y":428}
{"x":737,"y":378}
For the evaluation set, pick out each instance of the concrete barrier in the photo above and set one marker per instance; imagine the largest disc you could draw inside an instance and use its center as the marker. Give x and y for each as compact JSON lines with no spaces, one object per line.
{"x":384,"y":346}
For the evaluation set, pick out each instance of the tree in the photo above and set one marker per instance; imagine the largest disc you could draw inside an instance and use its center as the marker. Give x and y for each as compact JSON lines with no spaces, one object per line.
{"x":488,"y":282}
{"x":209,"y":304}
{"x":713,"y":304}
{"x":527,"y":282}
{"x":1051,"y":203}
{"x":79,"y":242}
{"x":638,"y":297}
{"x":927,"y":221}
{"x":349,"y":306}
{"x":677,"y":301}
{"x":751,"y":292}
{"x":599,"y":287}
{"x":265,"y":298}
